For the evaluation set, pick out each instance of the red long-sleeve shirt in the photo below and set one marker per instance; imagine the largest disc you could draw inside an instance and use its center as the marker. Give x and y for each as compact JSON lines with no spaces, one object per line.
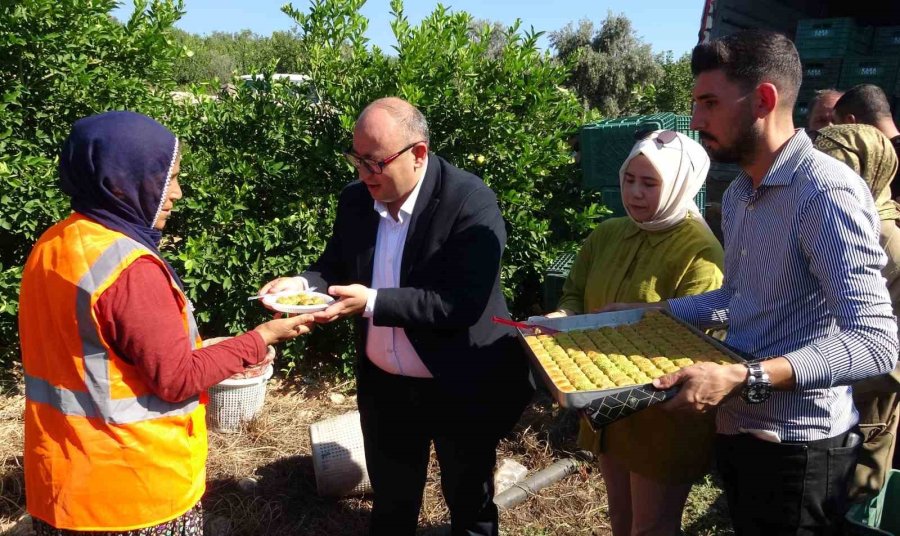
{"x":140,"y":318}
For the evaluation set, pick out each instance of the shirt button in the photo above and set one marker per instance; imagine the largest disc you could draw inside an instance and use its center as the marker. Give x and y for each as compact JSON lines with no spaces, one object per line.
{"x":743,"y":253}
{"x":749,"y":207}
{"x":737,"y":294}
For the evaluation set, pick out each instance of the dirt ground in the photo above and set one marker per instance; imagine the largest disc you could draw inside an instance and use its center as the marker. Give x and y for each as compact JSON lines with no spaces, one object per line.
{"x":261,"y":480}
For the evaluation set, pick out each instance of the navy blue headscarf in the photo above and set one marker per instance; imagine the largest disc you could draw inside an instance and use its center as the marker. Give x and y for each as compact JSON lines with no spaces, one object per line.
{"x":116,"y":167}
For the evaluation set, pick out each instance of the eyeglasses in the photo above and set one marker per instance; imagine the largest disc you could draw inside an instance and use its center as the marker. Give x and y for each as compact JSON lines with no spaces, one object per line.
{"x":376,"y":168}
{"x":663,"y":138}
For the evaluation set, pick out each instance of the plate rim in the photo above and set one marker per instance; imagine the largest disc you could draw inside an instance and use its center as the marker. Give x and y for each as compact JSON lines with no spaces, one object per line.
{"x":269,"y":300}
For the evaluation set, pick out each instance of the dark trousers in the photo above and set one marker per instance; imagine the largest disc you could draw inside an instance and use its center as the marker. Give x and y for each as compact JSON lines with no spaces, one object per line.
{"x":776,"y":489}
{"x":400,"y":418}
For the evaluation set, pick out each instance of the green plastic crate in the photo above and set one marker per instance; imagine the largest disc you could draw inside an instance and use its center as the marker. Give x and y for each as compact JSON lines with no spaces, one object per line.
{"x":700,"y":200}
{"x":880,"y":515}
{"x":831,"y":38}
{"x":821,"y":73}
{"x":722,"y":172}
{"x":886,"y":40}
{"x":606,"y":144}
{"x":611,"y":197}
{"x":802,"y":106}
{"x":683,"y":125}
{"x":878,"y":70}
{"x":554,"y":279}
{"x":661,"y":121}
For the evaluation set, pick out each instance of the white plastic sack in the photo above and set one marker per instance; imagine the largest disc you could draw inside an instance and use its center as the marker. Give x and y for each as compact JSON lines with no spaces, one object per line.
{"x":508,"y":473}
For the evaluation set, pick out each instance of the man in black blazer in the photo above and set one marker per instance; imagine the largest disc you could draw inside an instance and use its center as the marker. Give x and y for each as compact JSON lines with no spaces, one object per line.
{"x":414,"y":257}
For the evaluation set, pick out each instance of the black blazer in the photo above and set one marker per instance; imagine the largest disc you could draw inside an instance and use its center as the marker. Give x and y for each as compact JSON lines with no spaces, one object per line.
{"x":449,"y":278}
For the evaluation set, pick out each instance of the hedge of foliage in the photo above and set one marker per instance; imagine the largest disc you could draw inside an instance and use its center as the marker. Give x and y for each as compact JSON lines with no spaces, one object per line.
{"x":262,"y":166}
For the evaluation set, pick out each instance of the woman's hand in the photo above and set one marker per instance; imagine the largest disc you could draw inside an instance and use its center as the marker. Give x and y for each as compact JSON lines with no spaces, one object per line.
{"x":285,"y":329}
{"x":559,"y":314}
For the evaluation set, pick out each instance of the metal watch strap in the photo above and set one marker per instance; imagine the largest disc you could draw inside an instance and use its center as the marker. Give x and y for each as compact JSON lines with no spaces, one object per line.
{"x":756,"y":373}
{"x":758,"y":387}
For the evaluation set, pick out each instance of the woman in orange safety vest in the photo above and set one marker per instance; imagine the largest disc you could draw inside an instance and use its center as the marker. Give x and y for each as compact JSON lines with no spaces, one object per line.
{"x":115,"y":376}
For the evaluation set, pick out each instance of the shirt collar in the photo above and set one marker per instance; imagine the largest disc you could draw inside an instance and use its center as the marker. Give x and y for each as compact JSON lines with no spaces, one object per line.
{"x":782,"y":171}
{"x":406,"y":209}
{"x":786,"y":163}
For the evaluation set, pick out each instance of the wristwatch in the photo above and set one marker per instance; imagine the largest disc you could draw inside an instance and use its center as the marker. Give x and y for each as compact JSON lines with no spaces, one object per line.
{"x":759,"y":387}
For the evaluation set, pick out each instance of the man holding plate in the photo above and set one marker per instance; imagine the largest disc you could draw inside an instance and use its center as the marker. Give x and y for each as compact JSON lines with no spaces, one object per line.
{"x":414,"y":257}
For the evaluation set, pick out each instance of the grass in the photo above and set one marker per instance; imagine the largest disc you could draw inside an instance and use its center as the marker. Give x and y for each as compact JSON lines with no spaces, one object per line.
{"x":261,"y":481}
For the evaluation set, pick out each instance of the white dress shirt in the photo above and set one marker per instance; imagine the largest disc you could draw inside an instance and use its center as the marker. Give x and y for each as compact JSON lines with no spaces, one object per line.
{"x":388,"y":347}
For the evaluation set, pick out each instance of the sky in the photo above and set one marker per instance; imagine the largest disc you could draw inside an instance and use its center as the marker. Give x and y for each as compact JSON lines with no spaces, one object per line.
{"x":665,"y":24}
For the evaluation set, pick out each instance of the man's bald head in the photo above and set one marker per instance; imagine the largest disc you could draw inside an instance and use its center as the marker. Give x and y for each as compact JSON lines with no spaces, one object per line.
{"x":399,"y":114}
{"x":390,"y":150}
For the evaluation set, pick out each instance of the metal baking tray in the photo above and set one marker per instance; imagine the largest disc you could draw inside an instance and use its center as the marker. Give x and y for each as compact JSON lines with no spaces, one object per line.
{"x":608,"y":405}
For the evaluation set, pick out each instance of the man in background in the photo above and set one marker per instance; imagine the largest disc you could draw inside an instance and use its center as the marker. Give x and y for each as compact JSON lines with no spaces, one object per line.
{"x":821,"y":109}
{"x":867,"y":104}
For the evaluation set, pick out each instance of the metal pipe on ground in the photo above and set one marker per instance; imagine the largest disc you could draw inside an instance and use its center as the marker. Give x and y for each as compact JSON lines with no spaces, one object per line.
{"x":22,"y":527}
{"x":540,"y":480}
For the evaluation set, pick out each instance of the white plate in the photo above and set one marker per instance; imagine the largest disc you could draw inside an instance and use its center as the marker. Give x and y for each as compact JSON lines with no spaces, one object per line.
{"x":270,"y":301}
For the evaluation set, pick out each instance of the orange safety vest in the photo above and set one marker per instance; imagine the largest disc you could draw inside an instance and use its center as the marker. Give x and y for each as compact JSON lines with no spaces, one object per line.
{"x":102,"y":452}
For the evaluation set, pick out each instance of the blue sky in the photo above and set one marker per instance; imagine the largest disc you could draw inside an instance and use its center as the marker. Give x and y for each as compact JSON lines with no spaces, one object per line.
{"x":665,"y":24}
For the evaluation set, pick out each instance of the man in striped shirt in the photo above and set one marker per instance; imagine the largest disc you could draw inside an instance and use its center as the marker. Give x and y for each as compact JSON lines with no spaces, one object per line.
{"x":803,"y":293}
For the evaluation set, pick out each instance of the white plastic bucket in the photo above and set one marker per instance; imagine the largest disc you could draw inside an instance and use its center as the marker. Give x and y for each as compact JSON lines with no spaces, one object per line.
{"x":234,"y":402}
{"x":339,"y":457}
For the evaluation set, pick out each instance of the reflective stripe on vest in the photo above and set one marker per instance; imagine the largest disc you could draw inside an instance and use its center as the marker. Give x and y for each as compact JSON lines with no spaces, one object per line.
{"x":97,"y":402}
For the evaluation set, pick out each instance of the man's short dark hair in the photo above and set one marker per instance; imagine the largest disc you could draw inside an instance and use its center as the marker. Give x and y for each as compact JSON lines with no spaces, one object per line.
{"x":751,"y":57}
{"x":866,"y":102}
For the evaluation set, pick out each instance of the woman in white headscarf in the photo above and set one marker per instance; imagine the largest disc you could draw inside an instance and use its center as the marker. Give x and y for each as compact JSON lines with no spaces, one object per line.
{"x":662,"y":249}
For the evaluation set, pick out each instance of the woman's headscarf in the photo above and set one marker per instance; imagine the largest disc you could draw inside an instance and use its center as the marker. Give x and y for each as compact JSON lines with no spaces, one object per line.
{"x":870,"y":154}
{"x":682,"y":165}
{"x":116,"y":167}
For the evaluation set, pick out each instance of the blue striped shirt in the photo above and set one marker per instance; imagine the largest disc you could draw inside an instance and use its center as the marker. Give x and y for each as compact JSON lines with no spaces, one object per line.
{"x":802,"y":280}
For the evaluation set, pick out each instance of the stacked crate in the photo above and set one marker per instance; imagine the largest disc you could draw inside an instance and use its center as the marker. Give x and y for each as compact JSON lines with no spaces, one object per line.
{"x":823,"y":45}
{"x":803,"y":106}
{"x":887,"y":43}
{"x":735,"y":15}
{"x":878,"y":70}
{"x":831,"y":38}
{"x":839,"y":53}
{"x":554,"y":279}
{"x":818,"y":73}
{"x":606,"y":144}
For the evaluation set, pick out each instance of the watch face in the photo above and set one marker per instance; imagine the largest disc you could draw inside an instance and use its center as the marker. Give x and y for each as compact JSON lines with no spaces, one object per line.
{"x":758,"y":392}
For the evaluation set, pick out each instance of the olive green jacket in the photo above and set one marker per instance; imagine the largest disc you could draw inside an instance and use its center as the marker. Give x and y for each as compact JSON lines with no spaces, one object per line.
{"x":619,"y":262}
